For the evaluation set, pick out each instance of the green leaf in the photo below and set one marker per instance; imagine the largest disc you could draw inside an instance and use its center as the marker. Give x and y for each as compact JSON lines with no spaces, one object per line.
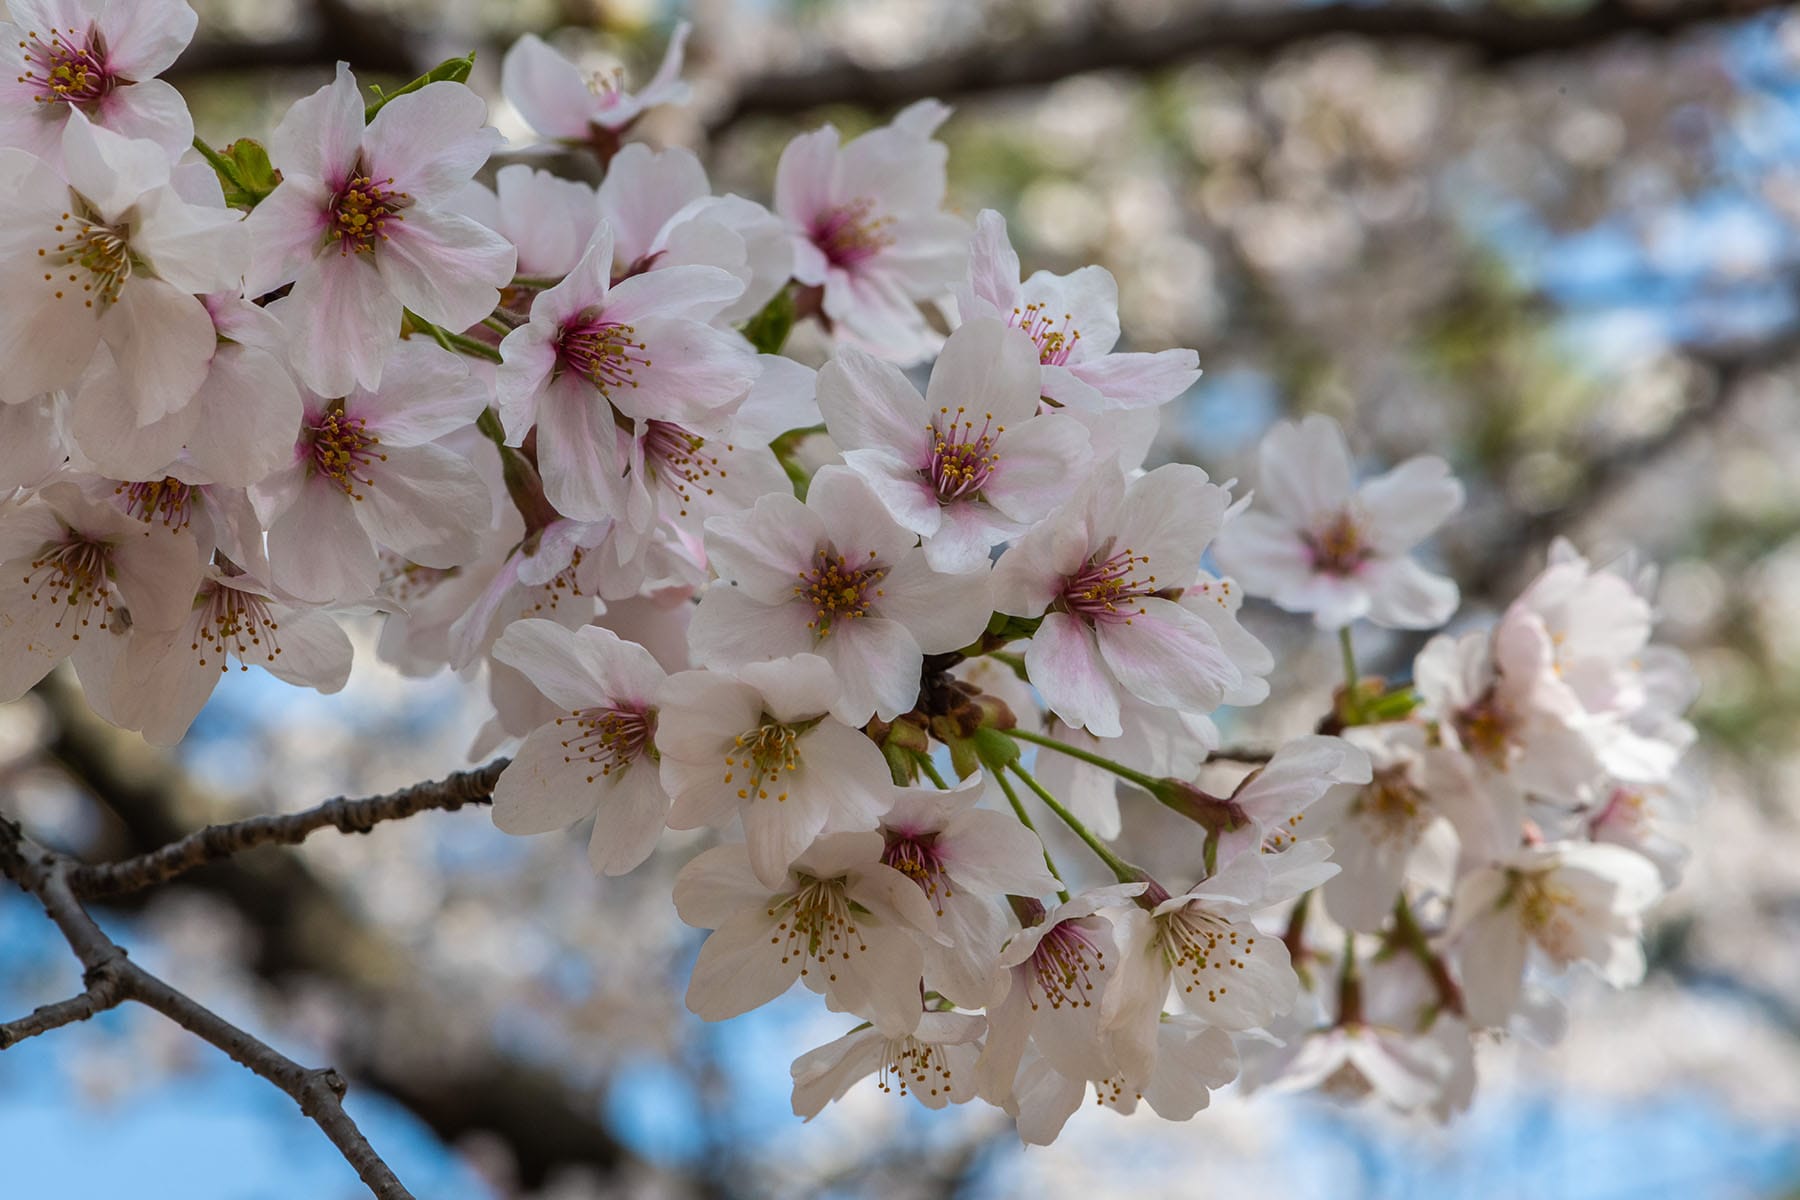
{"x":245,"y":173}
{"x":784,"y":448}
{"x":768,"y":330}
{"x":451,"y":70}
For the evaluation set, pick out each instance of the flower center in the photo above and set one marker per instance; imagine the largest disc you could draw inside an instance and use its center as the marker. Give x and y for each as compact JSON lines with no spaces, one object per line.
{"x":675,"y":456}
{"x":609,"y":738}
{"x":765,"y":753}
{"x":1066,"y":965}
{"x":1339,"y":548}
{"x":361,"y":210}
{"x":72,"y":574}
{"x":1056,"y":341}
{"x":62,"y":70}
{"x":851,"y":233}
{"x":168,"y":500}
{"x":1485,"y":729}
{"x":602,"y":352}
{"x":1195,"y":943}
{"x":818,"y":926}
{"x":234,"y":623}
{"x":962,"y":457}
{"x":94,"y":255}
{"x":838,"y":591}
{"x":915,"y":856}
{"x":1104,"y":590}
{"x":343,"y":448}
{"x":908,"y":1063}
{"x":1391,"y":807}
{"x":1544,"y":910}
{"x":407,"y":581}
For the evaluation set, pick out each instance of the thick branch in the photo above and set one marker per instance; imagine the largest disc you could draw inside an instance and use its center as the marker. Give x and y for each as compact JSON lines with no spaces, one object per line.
{"x":112,"y":978}
{"x":348,"y":816}
{"x":1490,"y":35}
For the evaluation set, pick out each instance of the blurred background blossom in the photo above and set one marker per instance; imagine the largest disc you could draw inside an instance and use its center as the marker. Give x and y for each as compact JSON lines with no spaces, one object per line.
{"x":1557,"y":241}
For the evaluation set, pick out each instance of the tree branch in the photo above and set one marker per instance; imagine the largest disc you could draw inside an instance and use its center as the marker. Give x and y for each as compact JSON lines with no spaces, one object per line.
{"x":112,"y":978}
{"x":1490,"y":35}
{"x":348,"y":816}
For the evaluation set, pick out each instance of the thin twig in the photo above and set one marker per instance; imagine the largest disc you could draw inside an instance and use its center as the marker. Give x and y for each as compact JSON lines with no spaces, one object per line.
{"x":112,"y":978}
{"x":222,"y":841}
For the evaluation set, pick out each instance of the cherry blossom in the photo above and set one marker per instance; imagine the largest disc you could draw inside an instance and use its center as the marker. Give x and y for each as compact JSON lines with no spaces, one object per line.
{"x":78,"y":574}
{"x":365,"y":473}
{"x":966,"y":860}
{"x":841,"y":921}
{"x":835,"y":577}
{"x":1318,"y":543}
{"x":167,"y":677}
{"x":560,"y":102}
{"x":1073,"y":320}
{"x":1094,"y":571}
{"x":1561,"y":904}
{"x":598,"y":757}
{"x":113,"y":253}
{"x":595,"y":355}
{"x":966,"y":466}
{"x":760,"y":747}
{"x":99,"y":59}
{"x":868,"y":227}
{"x":362,"y":227}
{"x":935,"y":1063}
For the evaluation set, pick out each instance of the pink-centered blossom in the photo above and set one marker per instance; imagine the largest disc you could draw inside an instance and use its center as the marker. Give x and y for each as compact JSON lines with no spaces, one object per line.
{"x":598,"y":758}
{"x":362,"y":226}
{"x":836,"y":577}
{"x":869,"y":228}
{"x":968,"y":465}
{"x":1316,"y":542}
{"x":598,"y":359}
{"x":109,"y":251}
{"x":99,"y":58}
{"x":1073,"y":321}
{"x":1097,"y":572}
{"x":365,"y":475}
{"x":966,"y":860}
{"x":78,"y":577}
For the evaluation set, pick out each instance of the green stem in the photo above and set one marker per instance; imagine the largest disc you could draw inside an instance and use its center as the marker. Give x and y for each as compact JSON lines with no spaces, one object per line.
{"x":1124,"y":772}
{"x":1018,"y":806}
{"x":497,"y":325}
{"x":471,"y":346}
{"x":536,"y":282}
{"x":1122,"y":870}
{"x":1413,"y":938}
{"x":1352,"y":680}
{"x":931,"y":772}
{"x":220,"y":163}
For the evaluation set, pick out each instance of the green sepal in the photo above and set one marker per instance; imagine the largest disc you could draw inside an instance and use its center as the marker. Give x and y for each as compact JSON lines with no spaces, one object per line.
{"x":768,"y":330}
{"x":246,"y":175}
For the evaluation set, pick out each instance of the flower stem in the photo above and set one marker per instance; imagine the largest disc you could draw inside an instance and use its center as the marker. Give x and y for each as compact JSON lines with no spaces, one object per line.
{"x":453,"y":341}
{"x":930,"y":771}
{"x":1018,"y":806}
{"x":1406,"y":927}
{"x":1124,"y":772}
{"x":1122,"y":870}
{"x":540,"y":283}
{"x":1352,"y":681}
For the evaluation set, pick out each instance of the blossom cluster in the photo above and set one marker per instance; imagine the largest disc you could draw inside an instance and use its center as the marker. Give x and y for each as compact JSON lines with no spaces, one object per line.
{"x":862,"y":629}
